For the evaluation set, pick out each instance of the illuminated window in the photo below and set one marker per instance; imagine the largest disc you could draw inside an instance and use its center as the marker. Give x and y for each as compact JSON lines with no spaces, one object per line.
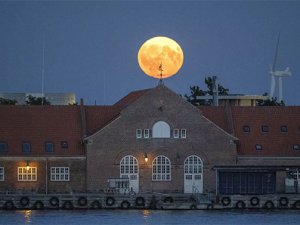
{"x":1,"y":173}
{"x":59,"y":174}
{"x":183,"y":133}
{"x":161,"y":130}
{"x":176,"y":133}
{"x":27,"y":174}
{"x":64,"y":144}
{"x":3,"y":147}
{"x":146,"y":133}
{"x":138,"y":133}
{"x":26,"y":147}
{"x":161,"y":169}
{"x":49,"y":147}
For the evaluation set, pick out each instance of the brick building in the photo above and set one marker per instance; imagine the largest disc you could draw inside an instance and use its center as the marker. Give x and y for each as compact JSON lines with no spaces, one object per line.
{"x":150,"y":141}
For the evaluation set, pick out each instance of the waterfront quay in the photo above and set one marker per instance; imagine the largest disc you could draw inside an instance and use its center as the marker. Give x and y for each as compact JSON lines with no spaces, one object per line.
{"x":159,"y":201}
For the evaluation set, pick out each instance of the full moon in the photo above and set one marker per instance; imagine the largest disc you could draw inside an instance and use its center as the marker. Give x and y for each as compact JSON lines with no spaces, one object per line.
{"x":160,"y":57}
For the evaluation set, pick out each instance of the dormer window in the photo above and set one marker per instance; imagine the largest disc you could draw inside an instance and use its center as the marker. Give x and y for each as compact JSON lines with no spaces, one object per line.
{"x":161,"y":130}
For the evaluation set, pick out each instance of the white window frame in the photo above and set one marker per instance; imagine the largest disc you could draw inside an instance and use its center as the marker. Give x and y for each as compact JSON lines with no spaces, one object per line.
{"x":60,"y":173}
{"x":183,"y":133}
{"x":27,"y":174}
{"x":139,"y":133}
{"x":175,"y":133}
{"x":1,"y":173}
{"x":146,"y":133}
{"x":161,"y":168}
{"x":161,"y":129}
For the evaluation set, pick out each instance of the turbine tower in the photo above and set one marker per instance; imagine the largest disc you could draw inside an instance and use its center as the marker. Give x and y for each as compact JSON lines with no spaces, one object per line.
{"x":278,"y":73}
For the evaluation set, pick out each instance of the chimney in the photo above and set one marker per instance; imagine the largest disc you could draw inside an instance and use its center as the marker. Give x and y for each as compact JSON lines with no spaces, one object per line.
{"x":83,"y":119}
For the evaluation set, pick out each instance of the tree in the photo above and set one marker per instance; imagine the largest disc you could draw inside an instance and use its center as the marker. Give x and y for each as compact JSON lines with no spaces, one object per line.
{"x":31,"y":100}
{"x":196,"y":91}
{"x":6,"y":101}
{"x":269,"y":102}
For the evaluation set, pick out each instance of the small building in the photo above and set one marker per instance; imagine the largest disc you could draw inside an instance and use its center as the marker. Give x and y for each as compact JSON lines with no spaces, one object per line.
{"x":151,"y":140}
{"x":53,"y":98}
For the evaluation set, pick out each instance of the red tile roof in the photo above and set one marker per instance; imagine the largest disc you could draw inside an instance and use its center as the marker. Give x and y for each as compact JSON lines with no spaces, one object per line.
{"x":130,"y":98}
{"x":274,"y":142}
{"x":99,"y":116}
{"x":38,"y":124}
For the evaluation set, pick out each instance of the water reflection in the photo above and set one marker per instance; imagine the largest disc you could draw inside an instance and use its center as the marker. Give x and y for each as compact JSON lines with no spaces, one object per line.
{"x":27,"y":216}
{"x":146,"y":215}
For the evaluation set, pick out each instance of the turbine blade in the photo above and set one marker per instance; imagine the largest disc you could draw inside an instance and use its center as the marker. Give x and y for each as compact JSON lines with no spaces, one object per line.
{"x":276,"y":54}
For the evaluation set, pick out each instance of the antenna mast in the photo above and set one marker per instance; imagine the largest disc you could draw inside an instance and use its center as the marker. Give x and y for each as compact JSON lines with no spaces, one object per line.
{"x":43,"y":69}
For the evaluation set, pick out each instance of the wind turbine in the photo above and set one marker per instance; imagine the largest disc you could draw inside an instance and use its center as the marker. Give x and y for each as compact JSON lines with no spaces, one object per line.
{"x":278,"y":73}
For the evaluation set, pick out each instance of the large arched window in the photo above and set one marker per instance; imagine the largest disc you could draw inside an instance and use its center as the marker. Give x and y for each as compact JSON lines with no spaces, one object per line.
{"x":193,"y":174}
{"x":161,"y":169}
{"x":128,"y":166}
{"x":161,"y":130}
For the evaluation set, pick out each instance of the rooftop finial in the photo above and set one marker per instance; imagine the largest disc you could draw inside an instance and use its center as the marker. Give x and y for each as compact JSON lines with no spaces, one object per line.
{"x":160,"y":68}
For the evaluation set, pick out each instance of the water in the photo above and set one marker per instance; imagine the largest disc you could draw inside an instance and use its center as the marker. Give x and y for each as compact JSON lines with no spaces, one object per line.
{"x":148,"y":217}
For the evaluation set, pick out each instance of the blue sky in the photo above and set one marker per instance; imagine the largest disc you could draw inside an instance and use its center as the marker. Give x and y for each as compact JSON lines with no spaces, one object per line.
{"x":91,"y":47}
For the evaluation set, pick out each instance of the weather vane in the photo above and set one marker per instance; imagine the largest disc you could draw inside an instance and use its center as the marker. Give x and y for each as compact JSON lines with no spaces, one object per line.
{"x":160,"y":68}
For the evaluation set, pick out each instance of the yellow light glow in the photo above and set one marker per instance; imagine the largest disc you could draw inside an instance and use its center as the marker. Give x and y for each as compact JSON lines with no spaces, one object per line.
{"x":160,"y":53}
{"x":146,"y":158}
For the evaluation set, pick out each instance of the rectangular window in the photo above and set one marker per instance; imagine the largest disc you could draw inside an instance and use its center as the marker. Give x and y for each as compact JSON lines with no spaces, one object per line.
{"x":183,"y":133}
{"x":64,"y":144}
{"x":176,"y":133}
{"x":146,"y":133}
{"x":59,"y":174}
{"x":296,"y":147}
{"x":138,"y":133}
{"x":258,"y":147}
{"x":3,"y":147}
{"x":246,"y":129}
{"x":26,"y":147}
{"x":49,"y":147}
{"x":27,"y":174}
{"x":264,"y":128}
{"x":283,"y":129}
{"x":1,"y":173}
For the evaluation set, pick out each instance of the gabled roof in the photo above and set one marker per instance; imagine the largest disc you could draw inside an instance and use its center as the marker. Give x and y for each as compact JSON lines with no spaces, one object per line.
{"x":274,"y":142}
{"x":130,"y":98}
{"x":40,"y":124}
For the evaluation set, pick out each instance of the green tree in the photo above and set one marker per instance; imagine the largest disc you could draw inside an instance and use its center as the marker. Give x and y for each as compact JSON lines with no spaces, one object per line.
{"x":31,"y":100}
{"x":269,"y":102}
{"x":196,"y":91}
{"x":6,"y":101}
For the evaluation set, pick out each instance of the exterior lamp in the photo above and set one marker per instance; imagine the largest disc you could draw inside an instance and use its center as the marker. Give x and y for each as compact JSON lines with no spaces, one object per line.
{"x":27,"y":166}
{"x":146,"y":158}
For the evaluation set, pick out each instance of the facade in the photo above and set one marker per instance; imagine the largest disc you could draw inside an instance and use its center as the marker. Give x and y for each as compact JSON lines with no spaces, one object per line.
{"x":150,"y":141}
{"x":235,"y":100}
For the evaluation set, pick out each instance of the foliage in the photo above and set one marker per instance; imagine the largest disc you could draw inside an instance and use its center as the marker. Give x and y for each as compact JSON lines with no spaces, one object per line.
{"x":269,"y":102}
{"x":196,"y":91}
{"x":31,"y":100}
{"x":6,"y":101}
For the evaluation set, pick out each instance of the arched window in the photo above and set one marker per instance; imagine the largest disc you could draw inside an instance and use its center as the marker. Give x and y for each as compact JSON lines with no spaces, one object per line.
{"x":161,"y":130}
{"x":161,"y":169}
{"x":193,"y":165}
{"x":128,"y":166}
{"x":193,"y":174}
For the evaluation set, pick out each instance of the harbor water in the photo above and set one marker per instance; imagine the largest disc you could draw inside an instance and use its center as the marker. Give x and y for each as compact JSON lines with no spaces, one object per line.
{"x":148,"y":217}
